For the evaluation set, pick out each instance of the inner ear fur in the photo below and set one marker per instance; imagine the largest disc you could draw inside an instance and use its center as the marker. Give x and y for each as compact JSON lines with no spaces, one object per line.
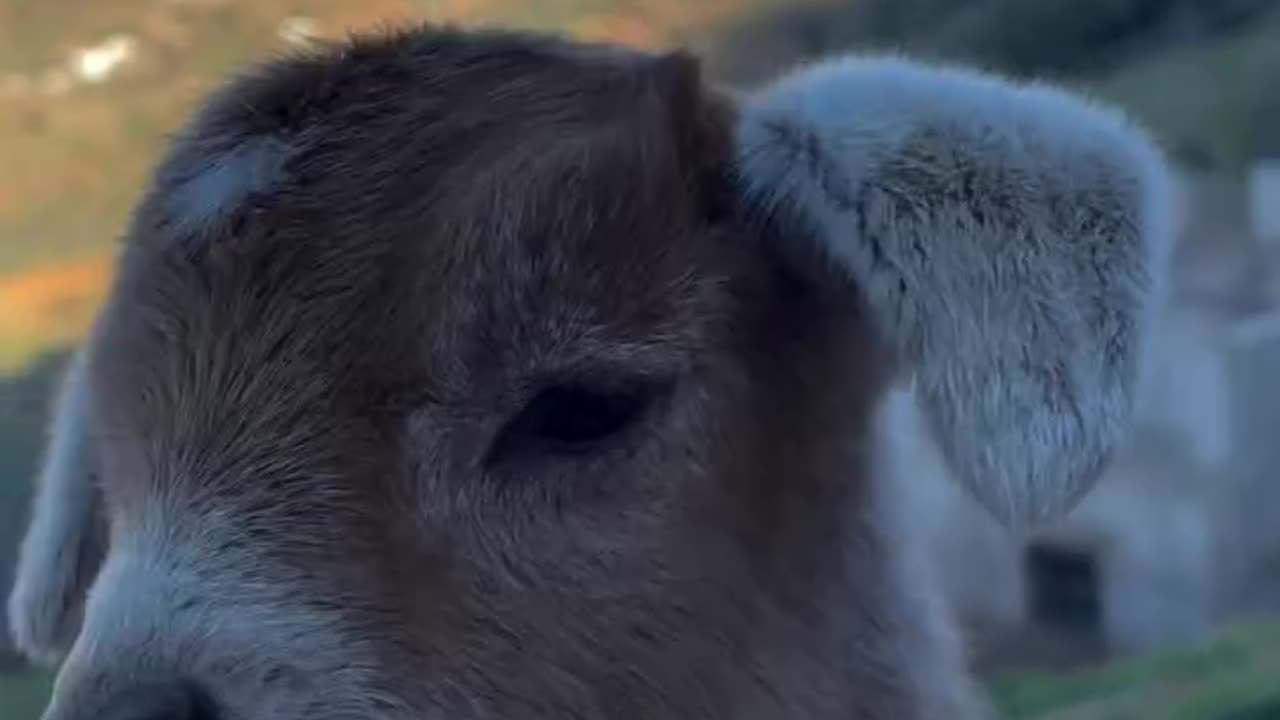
{"x":65,"y":540}
{"x":1010,"y":241}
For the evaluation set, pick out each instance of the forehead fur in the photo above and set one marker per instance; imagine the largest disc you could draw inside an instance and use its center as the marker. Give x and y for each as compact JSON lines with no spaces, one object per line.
{"x":414,"y":104}
{"x":431,"y":147}
{"x":422,"y":210}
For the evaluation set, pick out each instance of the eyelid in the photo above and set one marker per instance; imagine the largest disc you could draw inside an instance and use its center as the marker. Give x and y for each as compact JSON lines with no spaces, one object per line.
{"x":605,"y":376}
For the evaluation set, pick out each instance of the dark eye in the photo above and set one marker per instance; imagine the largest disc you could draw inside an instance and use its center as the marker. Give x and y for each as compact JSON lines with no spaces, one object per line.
{"x":569,"y":420}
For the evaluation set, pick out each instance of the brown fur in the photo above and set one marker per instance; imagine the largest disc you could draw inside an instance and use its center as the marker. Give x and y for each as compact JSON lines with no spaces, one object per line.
{"x":305,"y":392}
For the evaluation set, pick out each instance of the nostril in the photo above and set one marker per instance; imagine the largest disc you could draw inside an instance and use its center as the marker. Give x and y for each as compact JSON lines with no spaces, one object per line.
{"x":178,"y":701}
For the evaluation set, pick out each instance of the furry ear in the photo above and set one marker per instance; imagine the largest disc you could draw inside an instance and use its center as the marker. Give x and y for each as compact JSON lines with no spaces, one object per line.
{"x":1010,"y":240}
{"x":66,"y":539}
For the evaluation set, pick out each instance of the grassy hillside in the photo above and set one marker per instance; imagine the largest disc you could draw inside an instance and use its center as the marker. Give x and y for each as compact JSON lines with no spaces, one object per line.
{"x":1234,"y":677}
{"x":23,"y":695}
{"x":48,"y":305}
{"x":1215,"y":104}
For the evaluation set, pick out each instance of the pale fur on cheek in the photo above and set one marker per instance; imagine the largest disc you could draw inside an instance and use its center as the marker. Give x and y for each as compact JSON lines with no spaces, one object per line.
{"x":168,"y":609}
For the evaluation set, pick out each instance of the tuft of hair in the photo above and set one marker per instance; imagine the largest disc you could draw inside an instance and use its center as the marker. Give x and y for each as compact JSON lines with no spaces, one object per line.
{"x":1011,"y":241}
{"x":64,"y":545}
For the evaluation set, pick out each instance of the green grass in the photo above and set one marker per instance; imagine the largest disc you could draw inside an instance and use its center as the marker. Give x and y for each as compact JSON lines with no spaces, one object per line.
{"x":1218,"y":103}
{"x":23,"y":695}
{"x":1237,"y":671}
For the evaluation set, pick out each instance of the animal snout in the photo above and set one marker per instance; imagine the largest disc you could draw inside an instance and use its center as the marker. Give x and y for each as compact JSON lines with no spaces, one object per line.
{"x":170,"y":701}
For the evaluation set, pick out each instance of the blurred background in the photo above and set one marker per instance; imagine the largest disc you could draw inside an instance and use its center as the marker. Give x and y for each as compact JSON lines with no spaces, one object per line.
{"x":1155,"y":599}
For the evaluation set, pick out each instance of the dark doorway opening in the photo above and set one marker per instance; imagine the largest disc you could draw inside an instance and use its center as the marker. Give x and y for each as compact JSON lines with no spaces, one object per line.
{"x":1065,"y":592}
{"x":1065,"y":628}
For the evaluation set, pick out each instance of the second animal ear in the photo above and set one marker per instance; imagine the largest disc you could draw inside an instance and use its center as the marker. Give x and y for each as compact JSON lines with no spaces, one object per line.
{"x":1010,"y":241}
{"x":66,"y":539}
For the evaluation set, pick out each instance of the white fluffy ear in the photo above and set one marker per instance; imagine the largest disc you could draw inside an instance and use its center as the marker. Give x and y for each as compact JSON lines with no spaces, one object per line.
{"x":65,"y":541}
{"x":1010,"y":240}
